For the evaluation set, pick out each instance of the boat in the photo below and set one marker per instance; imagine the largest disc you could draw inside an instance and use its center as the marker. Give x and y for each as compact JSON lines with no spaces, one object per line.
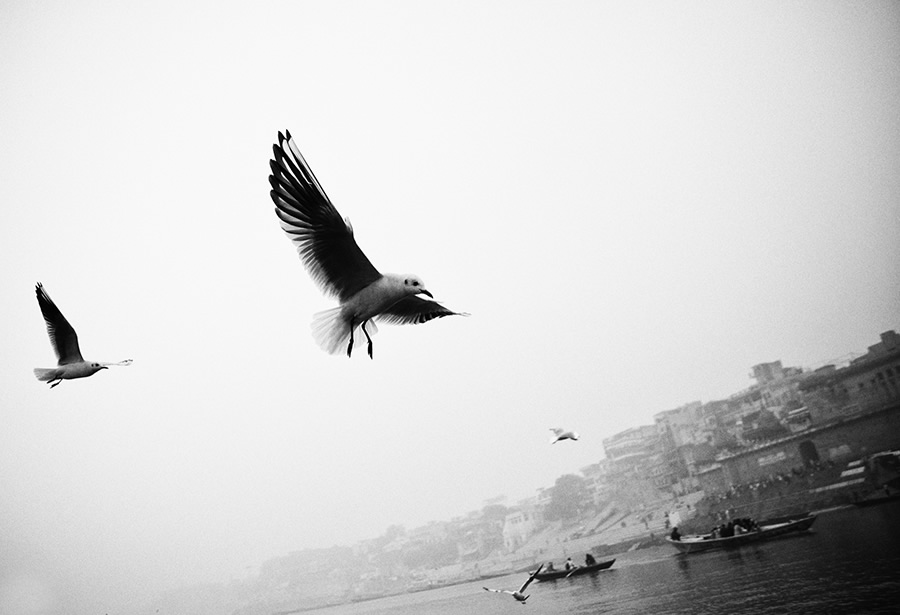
{"x":881,"y":473}
{"x":772,"y":528}
{"x":551,"y":575}
{"x":878,"y":497}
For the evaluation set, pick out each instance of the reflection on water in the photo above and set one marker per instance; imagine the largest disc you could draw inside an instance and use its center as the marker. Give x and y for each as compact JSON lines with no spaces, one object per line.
{"x":849,"y":564}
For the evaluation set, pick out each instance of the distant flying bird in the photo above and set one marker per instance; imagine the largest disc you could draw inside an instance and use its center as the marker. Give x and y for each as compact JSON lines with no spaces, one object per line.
{"x":327,"y":248}
{"x":519,"y":594}
{"x":562,"y":434}
{"x":70,"y":363}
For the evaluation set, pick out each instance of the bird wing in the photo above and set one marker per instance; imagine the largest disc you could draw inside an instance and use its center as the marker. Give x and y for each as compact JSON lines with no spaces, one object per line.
{"x":556,"y":430}
{"x":530,"y":579}
{"x":323,"y":239}
{"x":414,"y":310}
{"x":62,"y":335}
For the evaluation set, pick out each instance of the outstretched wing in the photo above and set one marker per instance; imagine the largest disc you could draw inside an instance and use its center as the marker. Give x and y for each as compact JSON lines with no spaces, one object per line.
{"x":530,"y":579}
{"x":323,"y":239}
{"x":414,"y":310}
{"x":62,"y":335}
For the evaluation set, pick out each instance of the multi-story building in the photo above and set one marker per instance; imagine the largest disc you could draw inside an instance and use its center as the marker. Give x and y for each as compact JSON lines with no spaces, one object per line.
{"x":835,"y":414}
{"x":779,"y":386}
{"x":631,"y":447}
{"x":759,"y":411}
{"x":522,"y":523}
{"x":868,"y":382}
{"x":633,"y":457}
{"x":679,"y":433}
{"x":597,"y":483}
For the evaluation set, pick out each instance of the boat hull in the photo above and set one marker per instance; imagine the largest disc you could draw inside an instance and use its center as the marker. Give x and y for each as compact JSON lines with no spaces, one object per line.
{"x":580,"y":570}
{"x":694,"y":544}
{"x":878,"y":498}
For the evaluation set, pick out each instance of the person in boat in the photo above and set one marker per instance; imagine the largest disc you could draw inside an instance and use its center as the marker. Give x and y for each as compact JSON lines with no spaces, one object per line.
{"x":589,"y":559}
{"x":744,"y":525}
{"x":549,"y":567}
{"x":569,"y":564}
{"x":675,"y":535}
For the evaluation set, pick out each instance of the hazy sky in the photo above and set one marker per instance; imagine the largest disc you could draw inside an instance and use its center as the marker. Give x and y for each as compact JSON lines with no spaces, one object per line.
{"x":635,"y":201}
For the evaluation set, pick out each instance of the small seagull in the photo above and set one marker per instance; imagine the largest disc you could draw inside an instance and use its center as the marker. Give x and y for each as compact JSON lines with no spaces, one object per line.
{"x":335,"y":262}
{"x":519,"y":594}
{"x":562,"y":434}
{"x":70,"y":363}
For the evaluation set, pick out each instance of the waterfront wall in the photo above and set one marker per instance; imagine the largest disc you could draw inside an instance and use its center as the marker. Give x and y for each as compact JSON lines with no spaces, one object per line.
{"x":850,"y":437}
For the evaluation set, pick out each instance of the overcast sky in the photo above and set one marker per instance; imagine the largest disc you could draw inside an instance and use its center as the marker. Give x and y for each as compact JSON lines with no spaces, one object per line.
{"x":635,"y":201}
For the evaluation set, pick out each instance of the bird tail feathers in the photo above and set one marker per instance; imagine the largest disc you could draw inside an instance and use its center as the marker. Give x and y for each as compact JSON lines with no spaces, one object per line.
{"x":44,"y":374}
{"x":332,"y":331}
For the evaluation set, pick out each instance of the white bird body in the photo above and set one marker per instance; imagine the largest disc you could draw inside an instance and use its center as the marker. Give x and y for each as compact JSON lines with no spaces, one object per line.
{"x":378,"y":297}
{"x":329,"y":251}
{"x":70,"y":363}
{"x":81,"y":369}
{"x":562,"y":434}
{"x":332,"y":328}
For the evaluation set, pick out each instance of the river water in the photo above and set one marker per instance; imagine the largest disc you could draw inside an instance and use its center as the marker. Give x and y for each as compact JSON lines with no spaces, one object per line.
{"x":849,"y":563}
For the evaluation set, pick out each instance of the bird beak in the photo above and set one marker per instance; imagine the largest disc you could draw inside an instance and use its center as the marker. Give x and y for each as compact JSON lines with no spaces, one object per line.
{"x":425,"y":292}
{"x":103,"y":367}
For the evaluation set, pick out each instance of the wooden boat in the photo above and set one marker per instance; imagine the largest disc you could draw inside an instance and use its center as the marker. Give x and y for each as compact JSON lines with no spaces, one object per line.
{"x":546,"y":575}
{"x":881,"y":474}
{"x":878,"y":497}
{"x":768,"y":529}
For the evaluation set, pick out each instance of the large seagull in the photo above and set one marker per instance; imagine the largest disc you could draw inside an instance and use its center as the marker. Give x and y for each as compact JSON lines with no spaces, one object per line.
{"x":327,"y":248}
{"x":70,"y":363}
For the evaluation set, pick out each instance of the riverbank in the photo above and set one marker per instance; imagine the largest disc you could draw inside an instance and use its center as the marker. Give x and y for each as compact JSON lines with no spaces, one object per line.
{"x":846,"y":564}
{"x":822,"y":489}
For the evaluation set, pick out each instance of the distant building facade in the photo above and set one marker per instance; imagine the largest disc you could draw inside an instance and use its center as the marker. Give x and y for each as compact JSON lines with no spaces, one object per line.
{"x":632,"y":446}
{"x":789,"y":418}
{"x":521,"y":524}
{"x":830,"y":415}
{"x":634,"y":456}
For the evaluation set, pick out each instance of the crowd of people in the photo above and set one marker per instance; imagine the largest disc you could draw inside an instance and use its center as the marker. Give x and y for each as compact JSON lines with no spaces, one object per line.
{"x":769,"y":483}
{"x":735,"y":527}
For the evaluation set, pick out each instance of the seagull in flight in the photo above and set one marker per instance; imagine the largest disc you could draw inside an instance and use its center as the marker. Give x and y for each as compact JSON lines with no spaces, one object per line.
{"x":70,"y":363}
{"x":519,"y":594}
{"x":335,"y":262}
{"x":562,"y":434}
